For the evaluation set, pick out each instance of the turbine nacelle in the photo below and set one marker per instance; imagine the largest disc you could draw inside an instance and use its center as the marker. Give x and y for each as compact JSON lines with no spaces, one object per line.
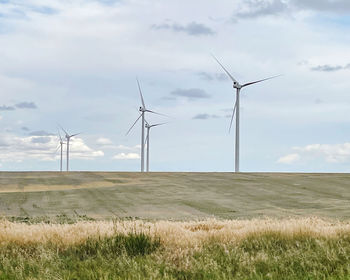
{"x":236,"y":85}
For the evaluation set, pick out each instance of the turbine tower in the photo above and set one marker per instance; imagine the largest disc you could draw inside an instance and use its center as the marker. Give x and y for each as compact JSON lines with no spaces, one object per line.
{"x":68,"y":137}
{"x":142,"y":110}
{"x":61,"y":147}
{"x":238,"y":88}
{"x":148,"y":126}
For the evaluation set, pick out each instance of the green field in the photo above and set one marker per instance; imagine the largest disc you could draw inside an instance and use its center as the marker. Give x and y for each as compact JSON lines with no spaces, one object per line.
{"x":177,"y":196}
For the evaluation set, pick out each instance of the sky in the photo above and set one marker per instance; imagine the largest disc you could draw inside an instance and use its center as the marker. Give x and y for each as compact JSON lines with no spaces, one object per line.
{"x":74,"y":64}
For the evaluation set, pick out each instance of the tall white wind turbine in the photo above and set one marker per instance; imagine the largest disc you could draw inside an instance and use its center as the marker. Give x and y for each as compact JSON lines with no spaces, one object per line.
{"x":238,"y":88}
{"x":149,"y":126}
{"x":68,"y":137}
{"x":142,"y":110}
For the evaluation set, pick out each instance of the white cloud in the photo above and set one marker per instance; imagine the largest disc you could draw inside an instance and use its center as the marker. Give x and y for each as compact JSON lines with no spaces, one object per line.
{"x":123,"y":156}
{"x":132,"y":148}
{"x":260,"y":8}
{"x":288,"y":159}
{"x":104,"y":141}
{"x":79,"y":149}
{"x":338,"y":153}
{"x":43,"y":148}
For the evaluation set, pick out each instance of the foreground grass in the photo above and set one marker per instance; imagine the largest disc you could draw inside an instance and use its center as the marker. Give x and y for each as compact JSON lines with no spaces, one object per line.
{"x":256,"y":249}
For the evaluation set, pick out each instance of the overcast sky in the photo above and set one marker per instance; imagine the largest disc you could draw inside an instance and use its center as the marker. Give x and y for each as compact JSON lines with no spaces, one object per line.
{"x":75,"y":63}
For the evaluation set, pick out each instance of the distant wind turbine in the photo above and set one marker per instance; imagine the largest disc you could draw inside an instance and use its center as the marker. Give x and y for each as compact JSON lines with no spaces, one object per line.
{"x":68,"y":137}
{"x":61,"y":147}
{"x":142,"y":110}
{"x":238,"y":88}
{"x":148,"y":126}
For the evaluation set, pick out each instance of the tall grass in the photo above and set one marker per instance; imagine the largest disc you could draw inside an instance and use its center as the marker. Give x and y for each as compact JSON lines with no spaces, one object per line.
{"x":308,"y":248}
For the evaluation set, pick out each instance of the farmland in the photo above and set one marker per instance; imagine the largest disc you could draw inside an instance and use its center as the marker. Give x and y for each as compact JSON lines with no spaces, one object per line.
{"x":175,"y":196}
{"x":94,"y":225}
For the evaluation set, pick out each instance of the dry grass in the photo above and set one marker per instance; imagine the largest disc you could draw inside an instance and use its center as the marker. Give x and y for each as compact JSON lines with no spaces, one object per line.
{"x":172,"y":234}
{"x":304,"y":248}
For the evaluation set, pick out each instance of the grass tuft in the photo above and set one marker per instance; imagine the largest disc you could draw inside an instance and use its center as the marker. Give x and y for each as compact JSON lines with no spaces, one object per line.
{"x":132,"y":244}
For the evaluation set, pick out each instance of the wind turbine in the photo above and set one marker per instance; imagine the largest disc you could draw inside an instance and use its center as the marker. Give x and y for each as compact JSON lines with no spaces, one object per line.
{"x":142,"y":110}
{"x":148,"y":126}
{"x":68,"y":137}
{"x":238,"y":88}
{"x":61,"y":146}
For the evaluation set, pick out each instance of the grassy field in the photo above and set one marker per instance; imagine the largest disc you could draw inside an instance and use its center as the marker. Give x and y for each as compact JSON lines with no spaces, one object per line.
{"x":176,"y":196}
{"x":307,"y":248}
{"x":86,"y":225}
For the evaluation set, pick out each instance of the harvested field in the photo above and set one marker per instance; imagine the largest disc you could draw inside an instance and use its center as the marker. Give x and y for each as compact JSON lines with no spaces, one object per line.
{"x":175,"y":196}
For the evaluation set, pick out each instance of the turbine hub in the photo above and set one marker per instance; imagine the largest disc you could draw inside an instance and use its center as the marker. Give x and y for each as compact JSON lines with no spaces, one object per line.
{"x":236,"y":85}
{"x":141,"y":109}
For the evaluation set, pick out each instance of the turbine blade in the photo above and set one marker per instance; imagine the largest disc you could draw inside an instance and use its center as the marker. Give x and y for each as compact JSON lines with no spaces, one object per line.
{"x":75,"y":134}
{"x":150,"y":111}
{"x":63,"y":130}
{"x":133,"y":124}
{"x":146,"y":139}
{"x":251,"y":83}
{"x":228,"y":73}
{"x":233,"y":114}
{"x":58,"y":147}
{"x":59,"y":134}
{"x":143,"y":102}
{"x":157,"y":124}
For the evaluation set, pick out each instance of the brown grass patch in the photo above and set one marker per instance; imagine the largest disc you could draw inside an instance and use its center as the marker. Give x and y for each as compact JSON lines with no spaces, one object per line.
{"x":179,"y":235}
